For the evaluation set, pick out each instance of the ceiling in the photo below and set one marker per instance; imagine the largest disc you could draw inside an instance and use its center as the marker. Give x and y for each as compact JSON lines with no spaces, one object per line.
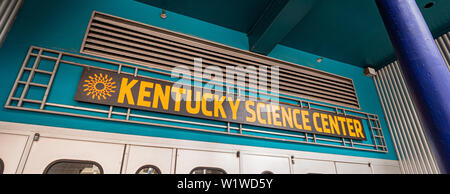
{"x":349,"y":31}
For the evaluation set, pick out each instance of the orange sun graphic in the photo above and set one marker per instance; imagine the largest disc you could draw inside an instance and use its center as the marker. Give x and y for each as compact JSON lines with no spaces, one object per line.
{"x":99,"y":86}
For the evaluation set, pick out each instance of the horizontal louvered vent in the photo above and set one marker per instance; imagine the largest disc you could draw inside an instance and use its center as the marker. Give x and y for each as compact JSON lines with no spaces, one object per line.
{"x":125,"y":40}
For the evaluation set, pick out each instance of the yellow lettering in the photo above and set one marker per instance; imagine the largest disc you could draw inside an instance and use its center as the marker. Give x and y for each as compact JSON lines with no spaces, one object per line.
{"x":205,"y":98}
{"x":251,"y":111}
{"x":234,"y":106}
{"x":258,"y":113}
{"x":189,"y":108}
{"x":342,"y":121}
{"x":178,"y":92}
{"x":350,"y":127}
{"x":295,"y":113}
{"x":315,"y":116}
{"x":324,"y":123}
{"x":276,"y":115}
{"x":159,"y":95}
{"x":218,"y":106}
{"x":358,"y":128}
{"x":305,"y":120}
{"x":287,"y":116}
{"x":144,"y":93}
{"x":334,"y":124}
{"x":125,"y":90}
{"x":269,"y":117}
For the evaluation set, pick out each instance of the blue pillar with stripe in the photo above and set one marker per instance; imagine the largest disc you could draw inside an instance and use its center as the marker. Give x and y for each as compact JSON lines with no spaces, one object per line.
{"x":426,"y":73}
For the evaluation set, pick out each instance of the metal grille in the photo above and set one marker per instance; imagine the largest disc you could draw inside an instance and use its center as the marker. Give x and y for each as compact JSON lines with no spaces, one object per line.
{"x":405,"y":127}
{"x":411,"y":145}
{"x":8,"y":11}
{"x":65,"y":68}
{"x":443,"y":43}
{"x":129,"y":41}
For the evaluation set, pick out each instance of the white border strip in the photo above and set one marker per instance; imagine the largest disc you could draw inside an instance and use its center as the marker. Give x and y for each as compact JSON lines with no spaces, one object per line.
{"x":94,"y":136}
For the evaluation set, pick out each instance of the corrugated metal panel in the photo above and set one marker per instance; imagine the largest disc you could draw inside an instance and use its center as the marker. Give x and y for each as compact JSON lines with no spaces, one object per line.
{"x":411,"y":145}
{"x":8,"y":11}
{"x":443,"y":43}
{"x":404,"y":123}
{"x":125,"y":40}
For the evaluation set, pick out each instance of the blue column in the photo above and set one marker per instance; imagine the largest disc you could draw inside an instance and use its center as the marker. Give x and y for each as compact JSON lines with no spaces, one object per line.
{"x":426,"y":73}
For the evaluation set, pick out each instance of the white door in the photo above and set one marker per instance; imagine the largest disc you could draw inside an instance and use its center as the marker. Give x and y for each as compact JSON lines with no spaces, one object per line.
{"x":306,"y":166}
{"x":11,"y":149}
{"x":258,"y":164}
{"x":149,"y":160}
{"x":53,"y":155}
{"x":206,"y":162}
{"x":353,"y":168}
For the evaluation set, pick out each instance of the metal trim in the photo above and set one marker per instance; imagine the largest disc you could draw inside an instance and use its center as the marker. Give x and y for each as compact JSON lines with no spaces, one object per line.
{"x":8,"y":13}
{"x":410,"y":142}
{"x":225,"y":129}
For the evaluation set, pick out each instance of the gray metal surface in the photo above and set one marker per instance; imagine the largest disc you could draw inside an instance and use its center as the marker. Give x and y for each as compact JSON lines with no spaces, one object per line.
{"x":404,"y":124}
{"x":375,"y":142}
{"x":409,"y":140}
{"x":443,"y":43}
{"x":8,"y":12}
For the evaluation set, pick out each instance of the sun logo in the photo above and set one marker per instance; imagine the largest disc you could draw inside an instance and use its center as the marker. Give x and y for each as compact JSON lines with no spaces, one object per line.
{"x":99,"y":86}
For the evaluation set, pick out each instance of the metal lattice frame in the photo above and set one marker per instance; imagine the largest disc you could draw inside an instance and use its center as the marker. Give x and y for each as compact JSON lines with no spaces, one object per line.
{"x":377,"y":143}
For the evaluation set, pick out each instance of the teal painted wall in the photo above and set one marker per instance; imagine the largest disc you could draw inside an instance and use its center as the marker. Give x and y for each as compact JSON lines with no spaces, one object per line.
{"x":61,"y":24}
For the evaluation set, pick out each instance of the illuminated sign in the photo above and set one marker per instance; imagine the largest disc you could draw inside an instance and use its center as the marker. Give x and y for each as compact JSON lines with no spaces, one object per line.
{"x":144,"y":93}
